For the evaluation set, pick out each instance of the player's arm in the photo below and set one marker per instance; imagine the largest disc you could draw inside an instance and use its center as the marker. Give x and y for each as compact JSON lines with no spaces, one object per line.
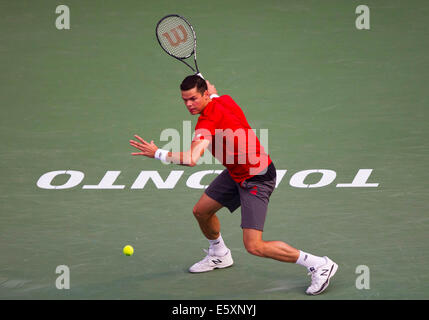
{"x":187,"y":158}
{"x":190,"y":157}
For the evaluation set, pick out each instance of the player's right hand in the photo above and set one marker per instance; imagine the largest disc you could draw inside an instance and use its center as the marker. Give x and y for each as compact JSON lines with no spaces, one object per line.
{"x":147,"y":149}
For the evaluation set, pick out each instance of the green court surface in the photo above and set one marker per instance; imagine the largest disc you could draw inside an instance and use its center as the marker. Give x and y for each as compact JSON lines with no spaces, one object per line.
{"x":332,"y":97}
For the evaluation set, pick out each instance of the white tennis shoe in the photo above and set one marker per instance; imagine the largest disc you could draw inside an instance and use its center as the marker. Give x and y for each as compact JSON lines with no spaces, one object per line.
{"x":320,"y":277}
{"x":211,"y":262}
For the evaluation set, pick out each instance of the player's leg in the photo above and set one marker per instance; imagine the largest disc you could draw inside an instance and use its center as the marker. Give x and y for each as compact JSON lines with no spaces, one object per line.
{"x":205,"y":213}
{"x":254,"y":197}
{"x":218,"y":255}
{"x":222,"y":192}
{"x":277,"y":250}
{"x":321,"y":269}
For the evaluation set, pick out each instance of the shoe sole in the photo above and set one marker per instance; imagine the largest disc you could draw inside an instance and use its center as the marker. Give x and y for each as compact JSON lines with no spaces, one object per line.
{"x":334,"y":269}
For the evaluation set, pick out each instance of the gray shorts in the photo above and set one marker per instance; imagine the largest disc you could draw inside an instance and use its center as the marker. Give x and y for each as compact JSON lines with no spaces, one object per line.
{"x":252,"y":195}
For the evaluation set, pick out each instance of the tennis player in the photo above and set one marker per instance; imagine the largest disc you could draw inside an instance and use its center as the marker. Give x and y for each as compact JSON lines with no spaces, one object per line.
{"x":248,"y":181}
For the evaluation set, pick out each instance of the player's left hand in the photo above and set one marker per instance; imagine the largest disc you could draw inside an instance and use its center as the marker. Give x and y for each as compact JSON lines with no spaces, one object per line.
{"x":147,"y":149}
{"x":211,"y":88}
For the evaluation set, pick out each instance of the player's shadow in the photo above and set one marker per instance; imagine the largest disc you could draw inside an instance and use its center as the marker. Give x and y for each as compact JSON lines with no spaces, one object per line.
{"x":129,"y":287}
{"x":286,"y":285}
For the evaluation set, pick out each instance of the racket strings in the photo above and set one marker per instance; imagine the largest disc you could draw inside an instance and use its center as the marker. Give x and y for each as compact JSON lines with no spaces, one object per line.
{"x":176,"y":37}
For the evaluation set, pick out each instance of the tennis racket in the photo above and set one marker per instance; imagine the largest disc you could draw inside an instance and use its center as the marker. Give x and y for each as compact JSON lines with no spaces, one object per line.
{"x":177,"y":37}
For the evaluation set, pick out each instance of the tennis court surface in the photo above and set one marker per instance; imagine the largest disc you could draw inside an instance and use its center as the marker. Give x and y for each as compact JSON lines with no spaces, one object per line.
{"x":346,"y":111}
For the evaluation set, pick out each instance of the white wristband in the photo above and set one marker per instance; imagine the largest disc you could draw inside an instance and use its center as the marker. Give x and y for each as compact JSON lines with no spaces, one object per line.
{"x":161,"y":155}
{"x":214,"y":95}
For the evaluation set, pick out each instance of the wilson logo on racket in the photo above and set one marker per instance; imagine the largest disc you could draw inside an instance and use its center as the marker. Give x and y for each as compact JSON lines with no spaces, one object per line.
{"x":179,"y":40}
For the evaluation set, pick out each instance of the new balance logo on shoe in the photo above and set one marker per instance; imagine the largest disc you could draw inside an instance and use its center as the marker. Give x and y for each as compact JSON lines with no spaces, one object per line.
{"x":211,"y":262}
{"x":324,"y":273}
{"x":320,"y":277}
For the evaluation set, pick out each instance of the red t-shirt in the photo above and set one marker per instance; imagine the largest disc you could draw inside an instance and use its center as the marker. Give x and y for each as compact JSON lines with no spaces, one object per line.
{"x":232,"y":140}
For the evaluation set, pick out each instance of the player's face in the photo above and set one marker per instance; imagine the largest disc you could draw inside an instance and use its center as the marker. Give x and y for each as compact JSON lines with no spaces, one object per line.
{"x":195,"y":101}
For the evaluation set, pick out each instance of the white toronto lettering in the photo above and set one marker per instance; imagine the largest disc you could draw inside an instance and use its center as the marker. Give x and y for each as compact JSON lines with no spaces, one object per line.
{"x":297,"y":180}
{"x":194,"y":181}
{"x":280,"y":175}
{"x":107,"y":182}
{"x":360,"y":180}
{"x":45,"y":181}
{"x":169,"y":183}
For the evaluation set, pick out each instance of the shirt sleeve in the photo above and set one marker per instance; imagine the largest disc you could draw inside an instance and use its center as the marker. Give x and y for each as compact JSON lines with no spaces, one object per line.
{"x":208,"y":123}
{"x":204,"y":130}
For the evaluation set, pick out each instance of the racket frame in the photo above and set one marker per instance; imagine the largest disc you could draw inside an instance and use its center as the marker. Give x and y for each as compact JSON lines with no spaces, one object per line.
{"x":194,"y":51}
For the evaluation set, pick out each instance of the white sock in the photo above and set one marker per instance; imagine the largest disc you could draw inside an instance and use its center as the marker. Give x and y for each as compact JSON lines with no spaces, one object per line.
{"x":309,"y":261}
{"x":217,"y":247}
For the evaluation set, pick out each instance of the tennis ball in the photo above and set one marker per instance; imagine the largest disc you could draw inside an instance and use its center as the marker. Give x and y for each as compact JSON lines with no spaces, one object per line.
{"x":128,"y":250}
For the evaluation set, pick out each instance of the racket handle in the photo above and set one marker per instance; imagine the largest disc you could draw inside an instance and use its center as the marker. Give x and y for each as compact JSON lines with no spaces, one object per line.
{"x":200,"y":75}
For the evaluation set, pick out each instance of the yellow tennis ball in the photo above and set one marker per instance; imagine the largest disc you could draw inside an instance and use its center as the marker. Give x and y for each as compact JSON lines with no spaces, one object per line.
{"x":128,"y":250}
